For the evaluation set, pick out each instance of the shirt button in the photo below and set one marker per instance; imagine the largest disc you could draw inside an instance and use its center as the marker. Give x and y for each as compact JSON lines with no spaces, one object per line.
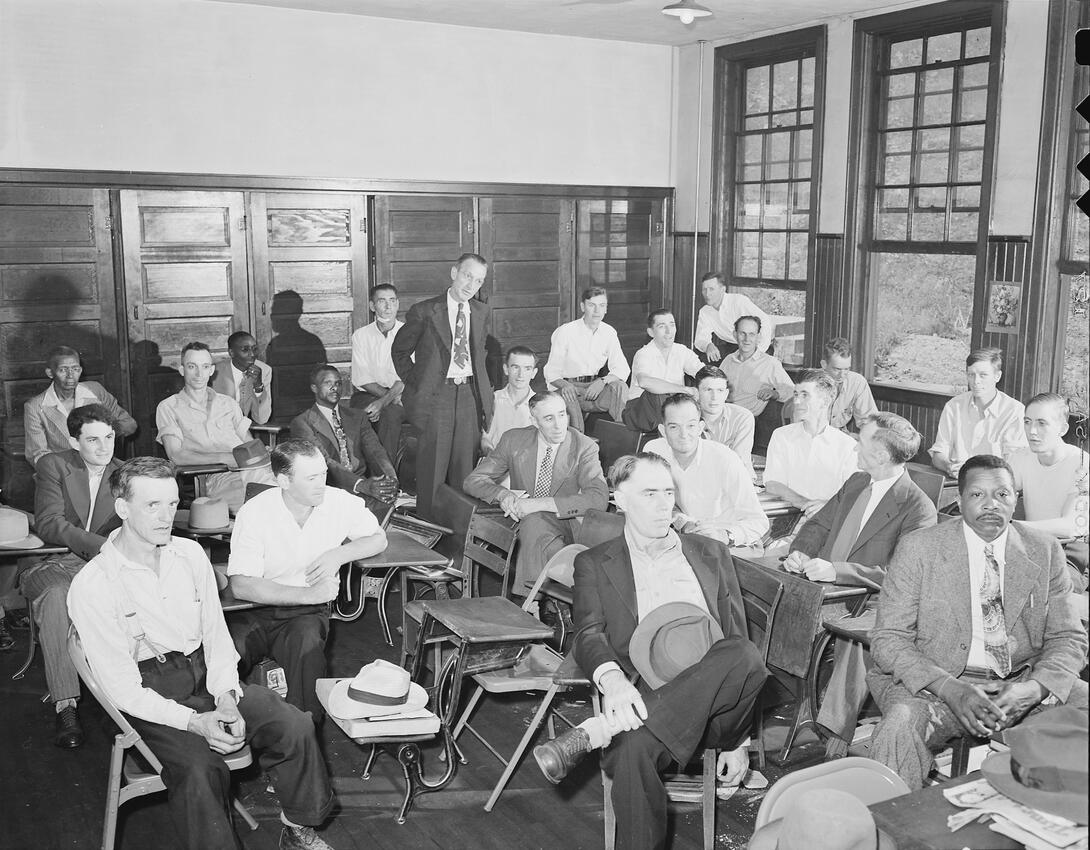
{"x":963,"y":646}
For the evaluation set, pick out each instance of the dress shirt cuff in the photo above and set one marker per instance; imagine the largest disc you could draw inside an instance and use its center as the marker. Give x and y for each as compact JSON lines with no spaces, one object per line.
{"x":602,"y":669}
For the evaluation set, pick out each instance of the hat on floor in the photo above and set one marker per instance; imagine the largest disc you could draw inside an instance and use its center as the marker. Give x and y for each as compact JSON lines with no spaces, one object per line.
{"x":1045,"y":767}
{"x":823,"y":819}
{"x":206,"y":513}
{"x":379,"y":689}
{"x":251,"y":454}
{"x":671,"y":639}
{"x":15,"y":531}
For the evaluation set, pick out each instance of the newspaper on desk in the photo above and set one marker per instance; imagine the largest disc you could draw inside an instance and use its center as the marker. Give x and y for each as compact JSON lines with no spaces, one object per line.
{"x":1047,"y":831}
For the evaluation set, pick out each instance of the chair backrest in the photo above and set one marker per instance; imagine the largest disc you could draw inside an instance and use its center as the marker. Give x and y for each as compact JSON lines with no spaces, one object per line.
{"x":614,"y":440}
{"x":868,"y":780}
{"x":490,"y":544}
{"x":129,"y":735}
{"x":255,"y":487}
{"x":761,"y":595}
{"x":454,"y":509}
{"x":930,"y":481}
{"x":598,"y":527}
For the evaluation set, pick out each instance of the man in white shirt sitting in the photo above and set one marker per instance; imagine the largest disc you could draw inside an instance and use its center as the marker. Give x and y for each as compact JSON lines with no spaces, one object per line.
{"x":287,"y":550}
{"x":982,"y":421}
{"x":758,"y":381}
{"x":148,"y":615}
{"x":714,"y":337}
{"x":658,"y":371}
{"x":245,"y":378}
{"x":726,"y":423}
{"x":715,"y":495}
{"x":579,"y":350}
{"x":377,"y":387}
{"x":512,"y":404}
{"x":1054,"y":479}
{"x":809,"y":460}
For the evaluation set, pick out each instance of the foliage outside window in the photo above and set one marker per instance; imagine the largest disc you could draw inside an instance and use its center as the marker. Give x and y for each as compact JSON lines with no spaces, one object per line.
{"x":932,"y":121}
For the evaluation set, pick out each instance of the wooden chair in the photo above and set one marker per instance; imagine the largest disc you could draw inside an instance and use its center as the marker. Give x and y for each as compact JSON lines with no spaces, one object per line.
{"x":761,"y":595}
{"x":129,"y":778}
{"x":930,"y":480}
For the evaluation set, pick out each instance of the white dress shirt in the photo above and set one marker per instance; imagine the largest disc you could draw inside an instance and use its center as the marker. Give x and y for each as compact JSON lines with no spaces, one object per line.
{"x":878,"y":490}
{"x":721,"y":322}
{"x":978,"y":656}
{"x":576,"y":350}
{"x":716,"y":487}
{"x":267,"y":542}
{"x":506,"y":414}
{"x":372,"y":361}
{"x":965,"y":431}
{"x":456,"y":371}
{"x":672,"y":365}
{"x":178,"y":609}
{"x":814,"y":467}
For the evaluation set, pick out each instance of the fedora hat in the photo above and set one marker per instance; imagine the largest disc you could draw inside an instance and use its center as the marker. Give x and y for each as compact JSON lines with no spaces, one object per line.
{"x":1045,"y":767}
{"x":671,"y":639}
{"x":823,"y":819}
{"x":15,"y":531}
{"x":207,"y":514}
{"x":251,"y":454}
{"x":378,"y":690}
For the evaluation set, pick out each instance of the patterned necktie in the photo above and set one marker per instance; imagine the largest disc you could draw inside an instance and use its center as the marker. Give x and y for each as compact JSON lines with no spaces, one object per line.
{"x":991,"y":608}
{"x":544,"y":475}
{"x":461,"y":340}
{"x":342,"y":440}
{"x":849,"y":531}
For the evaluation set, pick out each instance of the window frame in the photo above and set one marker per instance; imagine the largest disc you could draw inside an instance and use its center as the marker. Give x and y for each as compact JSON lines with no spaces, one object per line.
{"x":873,"y":35}
{"x":731,"y":63}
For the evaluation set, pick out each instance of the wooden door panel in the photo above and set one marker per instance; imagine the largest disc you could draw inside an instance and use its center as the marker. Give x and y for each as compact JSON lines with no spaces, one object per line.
{"x":311,"y":282}
{"x":56,"y":288}
{"x":185,"y":280}
{"x":417,"y":240}
{"x":620,"y":248}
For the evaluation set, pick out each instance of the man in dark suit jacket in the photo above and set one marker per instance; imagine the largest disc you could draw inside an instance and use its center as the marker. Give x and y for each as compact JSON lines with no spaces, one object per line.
{"x":976,"y":627}
{"x":565,"y":464}
{"x":619,"y":582}
{"x":851,"y":540}
{"x":439,"y":353}
{"x":364,"y":467}
{"x":68,"y":483}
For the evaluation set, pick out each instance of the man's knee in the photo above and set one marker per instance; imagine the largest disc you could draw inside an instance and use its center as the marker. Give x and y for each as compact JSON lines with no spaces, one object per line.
{"x":630,"y":751}
{"x":201,"y":770}
{"x":1079,"y":697}
{"x":308,"y":632}
{"x":536,"y":527}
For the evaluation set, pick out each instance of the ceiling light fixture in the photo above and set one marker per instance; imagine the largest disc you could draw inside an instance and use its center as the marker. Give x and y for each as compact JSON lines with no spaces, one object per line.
{"x":686,"y":11}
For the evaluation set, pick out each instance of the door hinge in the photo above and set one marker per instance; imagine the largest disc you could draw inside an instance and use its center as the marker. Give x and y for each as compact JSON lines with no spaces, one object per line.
{"x":569,"y":226}
{"x":658,"y":227}
{"x":108,"y":222}
{"x":469,"y":226}
{"x":363,"y":225}
{"x":242,"y":222}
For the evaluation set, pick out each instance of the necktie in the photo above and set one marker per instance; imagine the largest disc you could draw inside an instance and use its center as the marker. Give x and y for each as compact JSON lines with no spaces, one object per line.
{"x":849,"y":531}
{"x":461,"y":339}
{"x":544,"y":480}
{"x":342,"y":440}
{"x":991,"y":608}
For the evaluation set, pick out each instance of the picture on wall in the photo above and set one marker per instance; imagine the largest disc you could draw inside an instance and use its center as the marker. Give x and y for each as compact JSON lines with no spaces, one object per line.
{"x":1004,"y":305}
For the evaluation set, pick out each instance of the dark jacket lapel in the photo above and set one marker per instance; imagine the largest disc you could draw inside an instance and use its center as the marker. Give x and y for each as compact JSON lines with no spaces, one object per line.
{"x":324,"y":430}
{"x":564,"y":466}
{"x":887,"y":508}
{"x":441,"y":320}
{"x":104,"y":501}
{"x":706,"y":573}
{"x":76,"y":482}
{"x":617,"y":567}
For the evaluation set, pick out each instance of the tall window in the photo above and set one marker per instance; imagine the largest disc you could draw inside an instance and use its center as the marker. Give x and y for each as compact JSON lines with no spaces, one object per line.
{"x":767,"y":185}
{"x":929,"y":139}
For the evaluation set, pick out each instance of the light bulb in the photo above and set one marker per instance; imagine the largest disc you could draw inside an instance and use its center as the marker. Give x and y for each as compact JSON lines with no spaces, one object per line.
{"x":686,"y":17}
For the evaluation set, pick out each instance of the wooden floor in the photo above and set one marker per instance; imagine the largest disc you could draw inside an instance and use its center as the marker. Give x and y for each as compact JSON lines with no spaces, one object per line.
{"x":54,"y":798}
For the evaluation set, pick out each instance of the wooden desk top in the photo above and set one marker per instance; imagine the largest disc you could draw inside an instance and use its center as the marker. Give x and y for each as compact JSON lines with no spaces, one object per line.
{"x":487,"y":619}
{"x":830,"y":592}
{"x":403,"y":551}
{"x":918,"y":821}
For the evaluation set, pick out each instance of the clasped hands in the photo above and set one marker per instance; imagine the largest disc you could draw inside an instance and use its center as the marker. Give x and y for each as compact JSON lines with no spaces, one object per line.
{"x":223,"y":727}
{"x":517,"y":506}
{"x":815,"y":569}
{"x":988,"y":708}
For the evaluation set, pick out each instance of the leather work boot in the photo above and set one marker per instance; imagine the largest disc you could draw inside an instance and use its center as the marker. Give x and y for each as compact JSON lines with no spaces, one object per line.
{"x":562,"y":753}
{"x":301,"y":838}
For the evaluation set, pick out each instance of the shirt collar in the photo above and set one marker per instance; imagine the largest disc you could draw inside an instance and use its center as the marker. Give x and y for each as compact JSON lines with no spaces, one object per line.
{"x":51,"y":398}
{"x":886,"y":484}
{"x":110,"y":550}
{"x":652,"y":547}
{"x":976,"y":544}
{"x":452,"y":305}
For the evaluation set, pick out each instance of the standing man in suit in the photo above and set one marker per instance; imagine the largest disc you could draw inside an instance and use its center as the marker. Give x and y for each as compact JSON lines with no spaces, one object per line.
{"x":45,"y":417}
{"x":377,"y":387}
{"x":72,"y":507}
{"x":440,"y":356}
{"x":356,"y":459}
{"x":617,"y":584}
{"x":976,"y":627}
{"x":245,"y":378}
{"x":851,"y":541}
{"x":560,"y":478}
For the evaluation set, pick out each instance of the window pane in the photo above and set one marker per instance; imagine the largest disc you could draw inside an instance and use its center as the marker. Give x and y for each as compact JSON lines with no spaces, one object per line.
{"x":944,"y":48}
{"x":1076,"y":364}
{"x":978,"y":42}
{"x":934,"y":140}
{"x":807,"y":82}
{"x":746,"y":254}
{"x":749,"y":207}
{"x":967,"y":198}
{"x":898,"y":142}
{"x":934,"y":168}
{"x":923,"y":317}
{"x":789,"y":308}
{"x":757,"y":122}
{"x":779,"y":156}
{"x":902,"y":85}
{"x":928,"y":226}
{"x":757,"y":90}
{"x":796,"y":257}
{"x":785,"y":85}
{"x":896,"y":170}
{"x":974,"y":105}
{"x":963,"y":226}
{"x":774,"y":255}
{"x":968,"y":166}
{"x":892,"y":226}
{"x":775,"y":212}
{"x":899,"y":112}
{"x":802,"y":197}
{"x":936,"y":109}
{"x":905,"y":53}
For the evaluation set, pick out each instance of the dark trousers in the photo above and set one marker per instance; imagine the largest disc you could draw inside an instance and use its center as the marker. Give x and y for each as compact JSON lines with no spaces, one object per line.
{"x":644,"y":412}
{"x":710,"y":704}
{"x":197,"y":779}
{"x":292,"y":635}
{"x":450,"y":437}
{"x":388,"y":427}
{"x":765,"y":423}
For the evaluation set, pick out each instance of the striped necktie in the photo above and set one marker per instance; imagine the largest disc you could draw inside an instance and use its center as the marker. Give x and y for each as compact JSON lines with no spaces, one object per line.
{"x":996,"y":644}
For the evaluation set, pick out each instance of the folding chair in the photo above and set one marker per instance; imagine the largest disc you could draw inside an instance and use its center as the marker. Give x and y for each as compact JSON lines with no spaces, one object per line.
{"x":761,"y":594}
{"x":129,"y":778}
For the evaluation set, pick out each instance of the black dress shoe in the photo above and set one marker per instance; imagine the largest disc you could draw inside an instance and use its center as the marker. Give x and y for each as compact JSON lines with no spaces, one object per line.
{"x":6,"y":640}
{"x":69,"y":734}
{"x":562,"y":753}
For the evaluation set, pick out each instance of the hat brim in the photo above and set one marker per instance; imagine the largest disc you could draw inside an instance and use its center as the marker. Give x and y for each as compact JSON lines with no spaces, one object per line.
{"x":997,"y":770}
{"x":346,"y":708}
{"x":768,"y":836}
{"x":31,"y":541}
{"x":181,"y":521}
{"x":639,"y":646}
